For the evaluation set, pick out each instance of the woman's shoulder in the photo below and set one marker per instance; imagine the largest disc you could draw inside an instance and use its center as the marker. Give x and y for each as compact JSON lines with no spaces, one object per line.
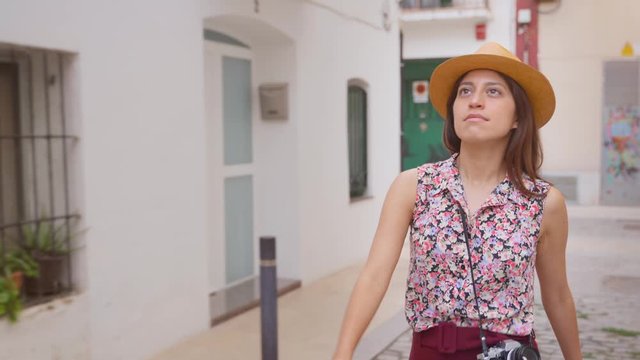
{"x":554,"y":201}
{"x":407,"y":178}
{"x":554,"y":211}
{"x":401,"y":194}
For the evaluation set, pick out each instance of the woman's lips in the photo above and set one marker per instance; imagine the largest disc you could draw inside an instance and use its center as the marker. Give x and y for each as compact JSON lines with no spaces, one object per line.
{"x":475,"y":118}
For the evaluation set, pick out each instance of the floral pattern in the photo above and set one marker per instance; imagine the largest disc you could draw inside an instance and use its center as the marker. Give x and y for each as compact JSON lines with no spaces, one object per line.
{"x":504,"y":234}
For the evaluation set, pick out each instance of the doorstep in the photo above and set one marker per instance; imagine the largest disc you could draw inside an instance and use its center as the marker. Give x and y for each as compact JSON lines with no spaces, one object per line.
{"x":232,"y":301}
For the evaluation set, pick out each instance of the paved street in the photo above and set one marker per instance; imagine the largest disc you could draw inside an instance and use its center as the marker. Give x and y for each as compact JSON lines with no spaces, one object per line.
{"x":603,"y":260}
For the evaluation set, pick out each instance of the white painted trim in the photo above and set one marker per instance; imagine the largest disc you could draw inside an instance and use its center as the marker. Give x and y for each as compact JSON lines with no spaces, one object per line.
{"x":228,"y":50}
{"x":238,"y":170}
{"x":218,"y":171}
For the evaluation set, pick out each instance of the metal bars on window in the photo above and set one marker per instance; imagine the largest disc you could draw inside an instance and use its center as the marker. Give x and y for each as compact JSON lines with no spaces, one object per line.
{"x":35,"y":146}
{"x":357,"y":132}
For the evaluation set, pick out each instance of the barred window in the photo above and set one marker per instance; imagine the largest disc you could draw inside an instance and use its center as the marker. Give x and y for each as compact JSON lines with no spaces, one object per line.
{"x":36,"y":212}
{"x":357,"y":135}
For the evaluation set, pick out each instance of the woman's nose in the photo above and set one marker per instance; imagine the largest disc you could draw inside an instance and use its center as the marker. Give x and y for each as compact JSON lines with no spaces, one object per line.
{"x":476,"y":100}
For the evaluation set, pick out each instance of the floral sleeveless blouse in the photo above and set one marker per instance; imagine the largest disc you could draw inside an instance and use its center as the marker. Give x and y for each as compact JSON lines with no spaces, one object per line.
{"x":504,"y":234}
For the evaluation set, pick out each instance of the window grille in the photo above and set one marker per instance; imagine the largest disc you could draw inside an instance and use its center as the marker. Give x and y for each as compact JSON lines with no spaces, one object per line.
{"x":357,"y":129}
{"x":35,"y":145}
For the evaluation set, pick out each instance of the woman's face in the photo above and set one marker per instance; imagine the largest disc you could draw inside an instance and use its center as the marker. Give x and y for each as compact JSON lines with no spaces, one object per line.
{"x":484,"y":109}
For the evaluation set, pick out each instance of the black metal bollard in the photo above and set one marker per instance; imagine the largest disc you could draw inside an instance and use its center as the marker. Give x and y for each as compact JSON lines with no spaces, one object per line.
{"x":268,"y":298}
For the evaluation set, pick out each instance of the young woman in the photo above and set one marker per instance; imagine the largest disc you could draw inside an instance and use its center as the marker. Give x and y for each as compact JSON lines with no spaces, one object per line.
{"x":481,"y":222}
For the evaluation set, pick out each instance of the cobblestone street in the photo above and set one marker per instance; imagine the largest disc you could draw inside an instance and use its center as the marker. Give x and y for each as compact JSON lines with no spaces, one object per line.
{"x":604,"y":272}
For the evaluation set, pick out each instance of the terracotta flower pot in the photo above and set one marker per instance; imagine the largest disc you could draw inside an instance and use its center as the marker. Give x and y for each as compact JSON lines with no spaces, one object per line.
{"x":18,"y":279}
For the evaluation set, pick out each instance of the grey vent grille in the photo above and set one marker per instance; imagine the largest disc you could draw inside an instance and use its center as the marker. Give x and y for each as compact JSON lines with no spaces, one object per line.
{"x":568,"y":186}
{"x":621,"y":83}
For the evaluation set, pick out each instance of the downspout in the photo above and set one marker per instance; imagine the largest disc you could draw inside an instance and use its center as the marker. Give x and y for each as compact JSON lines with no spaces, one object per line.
{"x":527,"y":31}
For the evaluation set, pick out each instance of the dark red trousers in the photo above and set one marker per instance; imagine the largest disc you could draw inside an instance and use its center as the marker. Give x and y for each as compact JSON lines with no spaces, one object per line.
{"x":449,"y":342}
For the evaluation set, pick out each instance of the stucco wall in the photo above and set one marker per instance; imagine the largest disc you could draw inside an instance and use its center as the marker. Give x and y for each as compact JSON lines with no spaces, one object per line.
{"x":448,"y":38}
{"x":139,"y":97}
{"x":332,"y":42}
{"x":574,"y":42}
{"x":332,"y":50}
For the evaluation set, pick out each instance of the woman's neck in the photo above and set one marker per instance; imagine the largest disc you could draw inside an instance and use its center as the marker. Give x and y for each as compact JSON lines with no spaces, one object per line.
{"x":481,"y":165}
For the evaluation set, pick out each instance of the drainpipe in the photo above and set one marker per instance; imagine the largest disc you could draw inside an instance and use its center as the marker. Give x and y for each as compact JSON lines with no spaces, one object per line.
{"x":527,"y":31}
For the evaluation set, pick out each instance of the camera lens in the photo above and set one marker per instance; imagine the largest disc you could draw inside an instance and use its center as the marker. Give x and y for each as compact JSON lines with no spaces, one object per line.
{"x":524,"y":353}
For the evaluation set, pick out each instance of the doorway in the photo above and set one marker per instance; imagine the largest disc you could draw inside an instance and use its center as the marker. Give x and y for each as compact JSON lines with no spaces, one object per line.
{"x":421,"y":125}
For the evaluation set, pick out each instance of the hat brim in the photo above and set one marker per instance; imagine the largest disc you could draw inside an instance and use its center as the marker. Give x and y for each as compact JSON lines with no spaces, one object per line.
{"x":534,"y":83}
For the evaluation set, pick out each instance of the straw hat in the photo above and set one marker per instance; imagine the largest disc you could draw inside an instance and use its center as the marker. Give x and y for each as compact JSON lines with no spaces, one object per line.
{"x":492,"y":56}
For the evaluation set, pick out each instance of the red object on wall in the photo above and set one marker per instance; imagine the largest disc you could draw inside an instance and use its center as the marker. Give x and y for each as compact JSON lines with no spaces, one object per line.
{"x":527,"y":34}
{"x":481,"y":31}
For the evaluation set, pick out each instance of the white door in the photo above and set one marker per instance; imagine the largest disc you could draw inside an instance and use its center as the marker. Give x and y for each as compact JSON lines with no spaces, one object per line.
{"x":229,"y":117}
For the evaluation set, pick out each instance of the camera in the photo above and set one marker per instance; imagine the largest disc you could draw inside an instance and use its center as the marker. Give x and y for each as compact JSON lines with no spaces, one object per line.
{"x":510,"y":350}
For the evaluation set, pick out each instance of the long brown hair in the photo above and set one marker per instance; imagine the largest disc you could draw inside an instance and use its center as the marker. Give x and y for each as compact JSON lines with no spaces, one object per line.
{"x":524,"y":150}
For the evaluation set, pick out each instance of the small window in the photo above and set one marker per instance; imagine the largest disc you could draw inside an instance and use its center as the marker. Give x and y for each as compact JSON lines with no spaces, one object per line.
{"x":37,"y":216}
{"x":357,"y":130}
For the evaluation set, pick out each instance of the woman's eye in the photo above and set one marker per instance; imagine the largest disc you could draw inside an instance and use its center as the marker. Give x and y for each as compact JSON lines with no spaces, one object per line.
{"x":494,"y":92}
{"x":464,"y":91}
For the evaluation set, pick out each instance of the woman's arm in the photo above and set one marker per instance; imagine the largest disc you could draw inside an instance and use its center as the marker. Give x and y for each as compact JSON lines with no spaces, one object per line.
{"x":552,"y":273}
{"x":374,"y":279}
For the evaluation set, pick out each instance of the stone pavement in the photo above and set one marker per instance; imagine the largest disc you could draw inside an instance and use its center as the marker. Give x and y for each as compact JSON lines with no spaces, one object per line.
{"x":603,"y":262}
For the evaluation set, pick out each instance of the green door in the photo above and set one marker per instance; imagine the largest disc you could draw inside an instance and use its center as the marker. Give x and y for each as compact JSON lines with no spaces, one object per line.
{"x":421,"y":125}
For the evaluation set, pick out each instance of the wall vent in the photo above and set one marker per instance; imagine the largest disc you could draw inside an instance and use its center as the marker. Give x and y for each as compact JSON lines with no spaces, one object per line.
{"x":568,"y":186}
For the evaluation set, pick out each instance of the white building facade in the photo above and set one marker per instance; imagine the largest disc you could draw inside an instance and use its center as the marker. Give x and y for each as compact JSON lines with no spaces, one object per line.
{"x":174,"y":173}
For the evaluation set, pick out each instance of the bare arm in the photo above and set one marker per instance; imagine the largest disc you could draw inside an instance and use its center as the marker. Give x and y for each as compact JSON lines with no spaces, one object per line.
{"x":374,"y":279}
{"x":552,"y":273}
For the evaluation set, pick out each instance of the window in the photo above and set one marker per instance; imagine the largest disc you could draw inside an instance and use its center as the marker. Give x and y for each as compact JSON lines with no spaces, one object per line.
{"x":357,"y":132}
{"x":35,"y":144}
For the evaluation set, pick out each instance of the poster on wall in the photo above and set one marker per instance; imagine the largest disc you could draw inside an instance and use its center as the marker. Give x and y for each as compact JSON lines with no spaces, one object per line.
{"x":420,"y":92}
{"x":621,"y":156}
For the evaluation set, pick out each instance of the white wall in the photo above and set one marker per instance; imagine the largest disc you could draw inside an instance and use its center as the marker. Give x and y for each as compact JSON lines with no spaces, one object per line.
{"x":139,"y":102}
{"x":143,"y":160}
{"x":574,"y":41}
{"x":448,"y":38}
{"x":276,"y":146}
{"x":34,"y":336}
{"x":145,"y":176}
{"x":333,"y":50}
{"x":303,"y":162}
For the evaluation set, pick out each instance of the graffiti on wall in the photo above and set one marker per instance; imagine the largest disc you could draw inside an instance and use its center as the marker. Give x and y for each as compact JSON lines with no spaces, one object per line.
{"x":622,"y":142}
{"x":621,"y":160}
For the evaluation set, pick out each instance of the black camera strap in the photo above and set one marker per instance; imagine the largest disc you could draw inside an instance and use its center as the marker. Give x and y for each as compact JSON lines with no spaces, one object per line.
{"x":467,"y":236}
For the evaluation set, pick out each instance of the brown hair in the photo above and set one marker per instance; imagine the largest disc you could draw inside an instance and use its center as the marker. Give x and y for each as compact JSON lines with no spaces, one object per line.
{"x":524,"y":151}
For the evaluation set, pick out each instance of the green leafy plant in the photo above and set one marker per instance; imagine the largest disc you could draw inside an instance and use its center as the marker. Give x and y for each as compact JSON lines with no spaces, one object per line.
{"x":43,"y":239}
{"x":19,"y":260}
{"x":10,"y":303}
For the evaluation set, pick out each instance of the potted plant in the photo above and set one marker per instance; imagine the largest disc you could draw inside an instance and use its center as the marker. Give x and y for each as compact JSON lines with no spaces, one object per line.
{"x":10,"y":303}
{"x":16,"y":264}
{"x":49,"y":248}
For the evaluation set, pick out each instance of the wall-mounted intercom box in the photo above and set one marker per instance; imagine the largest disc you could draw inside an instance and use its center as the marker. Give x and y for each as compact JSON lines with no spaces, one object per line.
{"x":274,"y":101}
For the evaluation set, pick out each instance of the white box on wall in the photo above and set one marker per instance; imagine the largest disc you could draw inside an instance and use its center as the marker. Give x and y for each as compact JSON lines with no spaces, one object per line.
{"x":274,"y":101}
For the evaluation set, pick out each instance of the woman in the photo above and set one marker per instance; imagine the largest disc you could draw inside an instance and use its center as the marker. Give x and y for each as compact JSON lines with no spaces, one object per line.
{"x":481,"y":222}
